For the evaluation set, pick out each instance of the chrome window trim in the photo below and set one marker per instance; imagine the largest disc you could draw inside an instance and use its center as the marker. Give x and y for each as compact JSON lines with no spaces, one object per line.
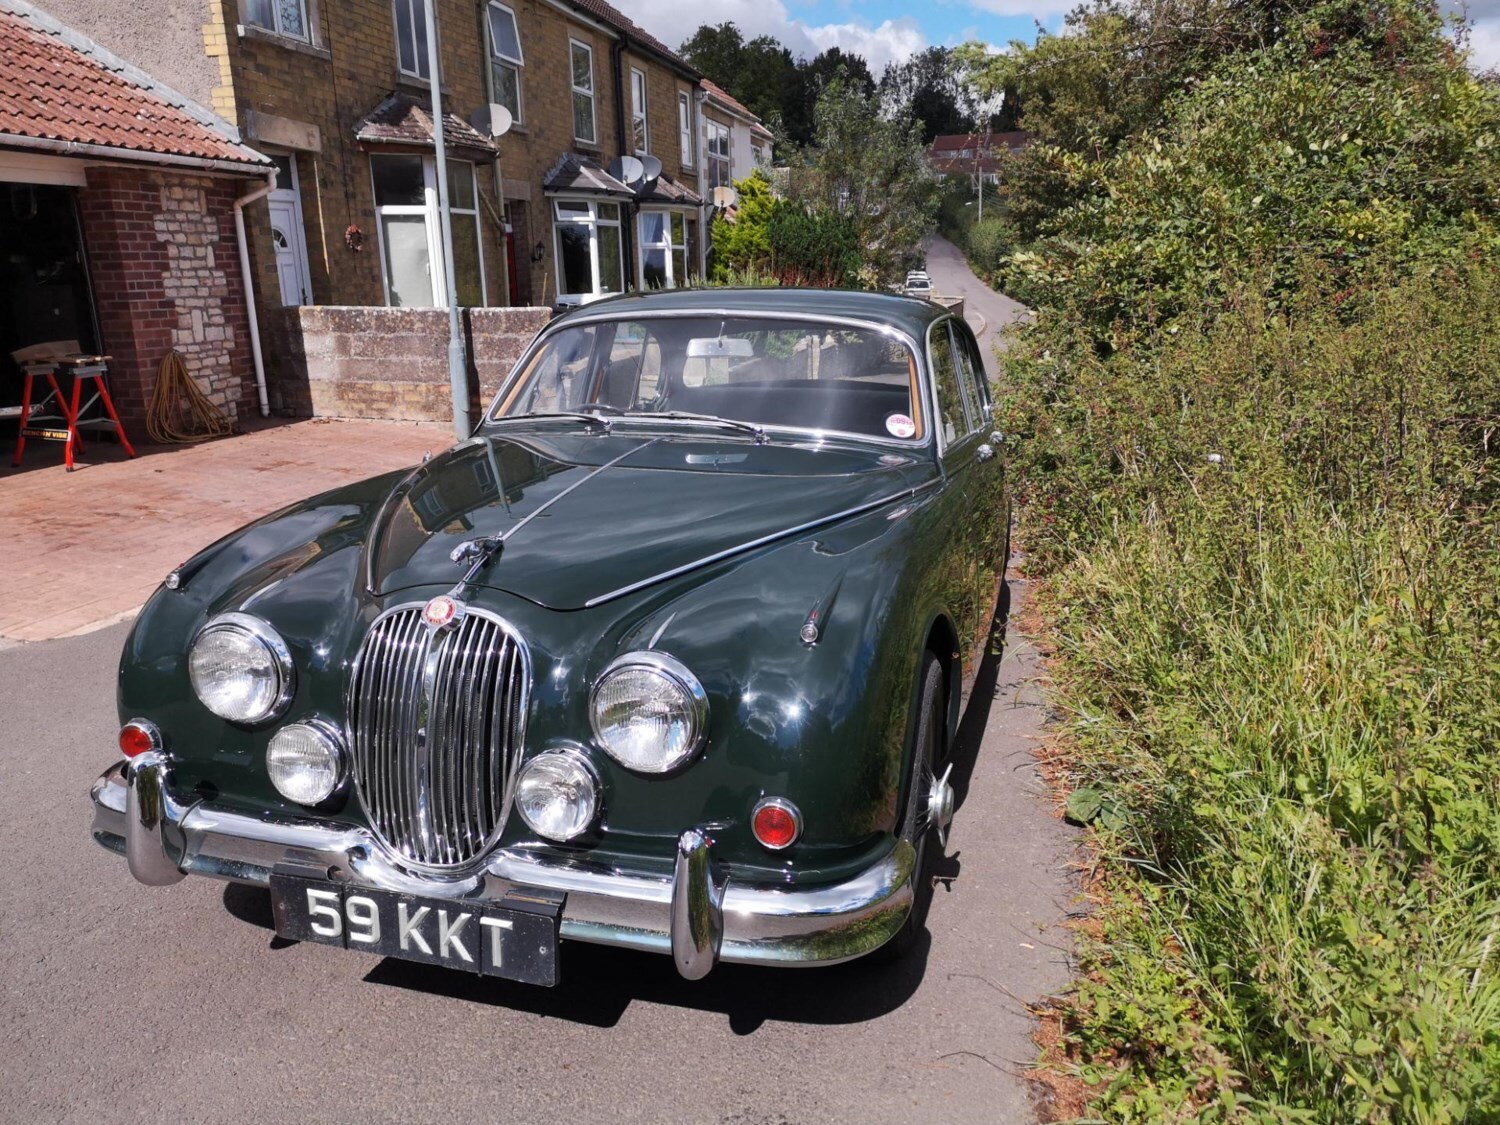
{"x":918,"y":352}
{"x":943,"y":446}
{"x":673,"y":669}
{"x":393,"y":855}
{"x":281,"y":656}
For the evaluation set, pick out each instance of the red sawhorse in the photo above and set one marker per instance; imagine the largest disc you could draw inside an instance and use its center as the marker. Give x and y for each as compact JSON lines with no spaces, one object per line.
{"x":70,"y":411}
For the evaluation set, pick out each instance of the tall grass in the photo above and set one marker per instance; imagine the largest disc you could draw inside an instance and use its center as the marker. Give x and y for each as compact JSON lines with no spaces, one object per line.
{"x":1276,"y":590}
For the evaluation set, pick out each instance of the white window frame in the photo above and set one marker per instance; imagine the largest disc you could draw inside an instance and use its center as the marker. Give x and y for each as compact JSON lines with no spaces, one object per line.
{"x":714,"y":131}
{"x":416,"y":11}
{"x":593,"y":222}
{"x":667,"y":245}
{"x":577,"y":91}
{"x":685,"y":128}
{"x":494,"y":57}
{"x":275,"y":28}
{"x":428,"y":210}
{"x":638,"y":97}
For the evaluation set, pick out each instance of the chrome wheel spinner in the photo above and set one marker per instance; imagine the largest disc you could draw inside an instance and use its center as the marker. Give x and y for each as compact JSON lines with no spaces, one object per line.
{"x":940,"y":801}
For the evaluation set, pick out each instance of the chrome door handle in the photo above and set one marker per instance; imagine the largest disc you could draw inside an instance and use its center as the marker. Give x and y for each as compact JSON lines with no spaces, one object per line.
{"x":985,"y":452}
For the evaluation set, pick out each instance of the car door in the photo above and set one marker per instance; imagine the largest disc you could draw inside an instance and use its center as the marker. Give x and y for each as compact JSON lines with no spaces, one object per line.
{"x":959,"y":440}
{"x":989,"y":509}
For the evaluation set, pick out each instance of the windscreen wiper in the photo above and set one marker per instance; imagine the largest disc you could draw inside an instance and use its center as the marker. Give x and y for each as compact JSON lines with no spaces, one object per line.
{"x":594,"y":417}
{"x":758,"y":432}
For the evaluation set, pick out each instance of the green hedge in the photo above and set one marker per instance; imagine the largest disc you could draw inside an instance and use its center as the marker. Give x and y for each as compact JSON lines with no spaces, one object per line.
{"x":1274,"y":547}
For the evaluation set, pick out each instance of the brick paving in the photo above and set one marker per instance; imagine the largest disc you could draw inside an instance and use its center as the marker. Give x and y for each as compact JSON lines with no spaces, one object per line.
{"x":81,"y":550}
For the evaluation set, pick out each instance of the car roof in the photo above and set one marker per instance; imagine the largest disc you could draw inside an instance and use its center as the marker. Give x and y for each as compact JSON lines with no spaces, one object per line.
{"x":906,"y":313}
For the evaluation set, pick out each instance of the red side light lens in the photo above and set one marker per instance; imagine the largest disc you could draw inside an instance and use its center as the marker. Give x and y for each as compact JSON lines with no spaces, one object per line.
{"x":776,"y":823}
{"x":136,"y":738}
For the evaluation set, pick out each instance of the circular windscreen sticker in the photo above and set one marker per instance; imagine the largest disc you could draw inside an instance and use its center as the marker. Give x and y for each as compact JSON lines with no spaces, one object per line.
{"x":899,"y":425}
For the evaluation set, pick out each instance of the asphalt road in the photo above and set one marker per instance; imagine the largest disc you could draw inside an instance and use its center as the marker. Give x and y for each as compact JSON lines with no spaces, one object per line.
{"x":129,"y":1003}
{"x":987,"y":311}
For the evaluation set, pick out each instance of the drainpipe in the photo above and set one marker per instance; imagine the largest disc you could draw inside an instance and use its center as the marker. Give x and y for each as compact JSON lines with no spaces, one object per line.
{"x":627,"y":206}
{"x":249,"y":284}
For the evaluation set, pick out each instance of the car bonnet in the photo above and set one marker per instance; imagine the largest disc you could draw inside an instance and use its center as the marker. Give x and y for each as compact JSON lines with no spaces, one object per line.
{"x":582,"y":518}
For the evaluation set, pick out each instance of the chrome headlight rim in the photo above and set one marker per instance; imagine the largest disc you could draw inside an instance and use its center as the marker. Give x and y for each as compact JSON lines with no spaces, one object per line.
{"x":276,"y":648}
{"x":575,"y":756}
{"x":669,"y":667}
{"x":333,"y":739}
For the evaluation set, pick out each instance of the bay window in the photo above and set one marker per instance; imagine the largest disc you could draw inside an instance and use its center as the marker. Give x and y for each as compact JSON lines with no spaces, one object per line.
{"x":506,"y":58}
{"x":590,"y":259}
{"x":581,"y":59}
{"x":410,"y":232}
{"x":411,"y":38}
{"x":664,"y":249}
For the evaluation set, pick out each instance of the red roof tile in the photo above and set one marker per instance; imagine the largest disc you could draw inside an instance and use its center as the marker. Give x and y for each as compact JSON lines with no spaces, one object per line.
{"x":56,"y":84}
{"x":618,"y":20}
{"x":721,"y":95}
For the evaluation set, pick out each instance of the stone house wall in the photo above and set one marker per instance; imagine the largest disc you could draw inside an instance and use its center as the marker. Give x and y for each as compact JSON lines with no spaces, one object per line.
{"x":393,"y":363}
{"x":162,"y":256}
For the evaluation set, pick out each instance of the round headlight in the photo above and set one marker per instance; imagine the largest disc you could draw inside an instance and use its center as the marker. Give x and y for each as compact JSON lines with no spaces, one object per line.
{"x":649,"y":712}
{"x":240,"y":669}
{"x":305,"y":762}
{"x":558,"y":794}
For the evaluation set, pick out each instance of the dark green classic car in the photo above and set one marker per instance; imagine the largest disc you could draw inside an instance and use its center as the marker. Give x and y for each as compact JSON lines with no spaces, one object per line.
{"x":667,"y":655}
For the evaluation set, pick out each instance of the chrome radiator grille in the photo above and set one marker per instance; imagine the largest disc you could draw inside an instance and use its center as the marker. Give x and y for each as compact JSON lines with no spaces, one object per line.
{"x":436,"y":721}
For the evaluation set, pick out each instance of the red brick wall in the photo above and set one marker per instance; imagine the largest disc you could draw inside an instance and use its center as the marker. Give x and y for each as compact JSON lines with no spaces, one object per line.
{"x":165,"y":271}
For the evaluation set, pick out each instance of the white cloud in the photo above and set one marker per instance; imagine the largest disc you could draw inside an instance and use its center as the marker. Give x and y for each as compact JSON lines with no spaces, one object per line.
{"x":672,"y":21}
{"x":1038,"y":8}
{"x":1484,"y":44}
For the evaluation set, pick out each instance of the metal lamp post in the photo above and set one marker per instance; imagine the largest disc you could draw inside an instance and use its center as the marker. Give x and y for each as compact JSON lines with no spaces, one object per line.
{"x":457,"y":376}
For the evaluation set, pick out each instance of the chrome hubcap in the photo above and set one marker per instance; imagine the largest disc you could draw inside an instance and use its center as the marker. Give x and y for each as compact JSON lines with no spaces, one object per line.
{"x":940,"y":805}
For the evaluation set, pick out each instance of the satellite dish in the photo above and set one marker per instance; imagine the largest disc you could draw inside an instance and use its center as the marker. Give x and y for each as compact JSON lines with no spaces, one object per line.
{"x":626,"y":169}
{"x":493,"y":120}
{"x":725,"y":197}
{"x":651,"y":167}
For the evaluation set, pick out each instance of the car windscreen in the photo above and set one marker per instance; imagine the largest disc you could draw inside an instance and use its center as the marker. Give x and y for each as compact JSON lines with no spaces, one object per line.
{"x":759,"y":370}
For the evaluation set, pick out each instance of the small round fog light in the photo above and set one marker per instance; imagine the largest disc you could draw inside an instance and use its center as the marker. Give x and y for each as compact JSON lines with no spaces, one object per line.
{"x":305,"y":762}
{"x":558,"y":794}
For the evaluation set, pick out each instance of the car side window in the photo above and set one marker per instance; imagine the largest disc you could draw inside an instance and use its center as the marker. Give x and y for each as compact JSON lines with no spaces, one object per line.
{"x":632,"y":375}
{"x":952,"y":420}
{"x":974,"y":399}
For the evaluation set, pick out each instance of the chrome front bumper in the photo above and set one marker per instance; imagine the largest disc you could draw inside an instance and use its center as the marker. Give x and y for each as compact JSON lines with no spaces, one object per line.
{"x":693,"y":914}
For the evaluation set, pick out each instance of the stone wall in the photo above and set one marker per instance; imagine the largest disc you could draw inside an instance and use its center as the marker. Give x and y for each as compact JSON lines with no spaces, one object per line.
{"x":372,"y":362}
{"x":162,"y":259}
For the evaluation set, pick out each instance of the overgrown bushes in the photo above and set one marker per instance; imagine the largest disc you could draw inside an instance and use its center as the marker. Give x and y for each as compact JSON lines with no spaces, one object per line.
{"x":1257,"y":429}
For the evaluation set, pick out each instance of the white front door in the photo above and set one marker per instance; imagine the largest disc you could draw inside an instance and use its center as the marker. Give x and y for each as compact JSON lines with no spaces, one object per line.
{"x":288,"y":237}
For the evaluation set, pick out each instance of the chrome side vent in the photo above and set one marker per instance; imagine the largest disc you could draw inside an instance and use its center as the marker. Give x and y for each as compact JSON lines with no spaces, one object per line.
{"x":436,"y":726}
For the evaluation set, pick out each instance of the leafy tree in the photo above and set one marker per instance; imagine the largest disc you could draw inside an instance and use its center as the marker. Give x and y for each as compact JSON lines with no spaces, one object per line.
{"x":718,"y":50}
{"x":745,"y":244}
{"x":814,"y":248}
{"x":873,"y":171}
{"x":927,"y":86}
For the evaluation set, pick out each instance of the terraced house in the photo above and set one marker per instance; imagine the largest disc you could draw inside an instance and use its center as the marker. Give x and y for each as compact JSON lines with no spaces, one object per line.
{"x":587,"y":179}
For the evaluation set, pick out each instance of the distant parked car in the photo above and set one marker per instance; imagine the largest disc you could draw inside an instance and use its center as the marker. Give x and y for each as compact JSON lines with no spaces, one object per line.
{"x":918,"y":284}
{"x":668,"y":655}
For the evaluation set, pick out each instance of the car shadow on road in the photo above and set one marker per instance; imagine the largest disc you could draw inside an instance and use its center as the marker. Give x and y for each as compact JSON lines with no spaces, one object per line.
{"x":599,"y":983}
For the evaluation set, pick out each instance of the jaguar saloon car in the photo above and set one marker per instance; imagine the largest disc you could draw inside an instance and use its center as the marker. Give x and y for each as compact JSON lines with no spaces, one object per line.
{"x":668,"y":655}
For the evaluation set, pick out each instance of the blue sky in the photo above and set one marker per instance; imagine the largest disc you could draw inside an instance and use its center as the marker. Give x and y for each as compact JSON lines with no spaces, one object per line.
{"x":892,"y":30}
{"x":881,"y":30}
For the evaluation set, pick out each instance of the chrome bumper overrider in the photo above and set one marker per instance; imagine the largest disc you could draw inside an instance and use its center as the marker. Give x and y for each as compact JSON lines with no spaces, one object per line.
{"x":693,"y":914}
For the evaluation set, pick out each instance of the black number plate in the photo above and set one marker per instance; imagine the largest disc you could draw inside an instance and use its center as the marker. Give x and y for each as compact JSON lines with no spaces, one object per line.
{"x":516,"y":939}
